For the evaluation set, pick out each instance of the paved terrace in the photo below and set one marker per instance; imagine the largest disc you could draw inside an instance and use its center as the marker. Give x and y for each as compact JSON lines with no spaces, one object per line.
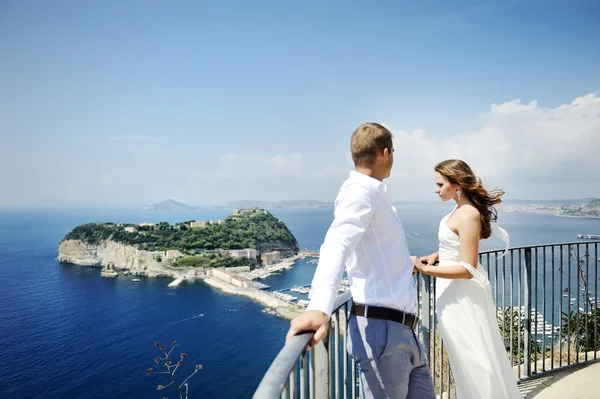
{"x":575,"y":382}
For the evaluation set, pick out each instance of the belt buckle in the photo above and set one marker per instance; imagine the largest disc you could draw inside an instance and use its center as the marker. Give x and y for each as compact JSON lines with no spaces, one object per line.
{"x":366,"y":311}
{"x":415,"y":323}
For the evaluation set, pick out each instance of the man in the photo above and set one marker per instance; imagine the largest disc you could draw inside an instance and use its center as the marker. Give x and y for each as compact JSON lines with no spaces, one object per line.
{"x":367,"y":238}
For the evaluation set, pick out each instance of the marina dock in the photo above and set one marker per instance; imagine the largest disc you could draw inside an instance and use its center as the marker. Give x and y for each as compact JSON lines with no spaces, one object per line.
{"x":176,"y":282}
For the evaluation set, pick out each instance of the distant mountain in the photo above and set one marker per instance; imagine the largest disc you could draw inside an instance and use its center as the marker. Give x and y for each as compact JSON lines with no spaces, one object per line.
{"x":278,"y":204}
{"x":168,"y":205}
{"x":592,"y":207}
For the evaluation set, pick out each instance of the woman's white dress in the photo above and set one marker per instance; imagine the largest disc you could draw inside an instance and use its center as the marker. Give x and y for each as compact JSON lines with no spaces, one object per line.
{"x":467,"y":319}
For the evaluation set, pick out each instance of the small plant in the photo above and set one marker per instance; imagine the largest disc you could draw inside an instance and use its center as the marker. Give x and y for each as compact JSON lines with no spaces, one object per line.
{"x":512,"y":323}
{"x":583,"y":327}
{"x":171,"y":368}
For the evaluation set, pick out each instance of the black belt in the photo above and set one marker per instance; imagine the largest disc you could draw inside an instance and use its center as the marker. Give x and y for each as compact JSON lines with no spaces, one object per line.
{"x":376,"y":312}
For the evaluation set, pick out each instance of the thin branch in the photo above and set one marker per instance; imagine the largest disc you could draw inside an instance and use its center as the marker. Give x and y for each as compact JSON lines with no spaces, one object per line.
{"x":190,"y":376}
{"x":175,"y":369}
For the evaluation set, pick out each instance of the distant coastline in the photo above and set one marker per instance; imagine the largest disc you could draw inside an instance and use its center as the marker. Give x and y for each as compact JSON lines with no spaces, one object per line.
{"x":581,"y":210}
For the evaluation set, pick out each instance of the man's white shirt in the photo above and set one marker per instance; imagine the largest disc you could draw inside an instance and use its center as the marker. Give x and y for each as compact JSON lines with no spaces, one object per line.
{"x":367,"y":238}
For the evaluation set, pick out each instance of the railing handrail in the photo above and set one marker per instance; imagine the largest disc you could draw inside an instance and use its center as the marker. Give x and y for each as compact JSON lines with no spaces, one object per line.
{"x":275,"y":378}
{"x":493,"y":251}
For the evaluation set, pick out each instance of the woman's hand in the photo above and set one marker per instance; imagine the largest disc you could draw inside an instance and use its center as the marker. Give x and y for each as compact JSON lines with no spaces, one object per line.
{"x":429,"y":259}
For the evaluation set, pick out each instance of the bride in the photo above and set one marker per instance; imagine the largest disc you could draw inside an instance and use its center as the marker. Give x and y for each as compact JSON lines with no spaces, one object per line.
{"x":466,"y":311}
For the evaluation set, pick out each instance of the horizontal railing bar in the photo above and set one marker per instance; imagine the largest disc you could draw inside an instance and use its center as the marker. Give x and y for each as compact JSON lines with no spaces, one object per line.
{"x":541,"y":246}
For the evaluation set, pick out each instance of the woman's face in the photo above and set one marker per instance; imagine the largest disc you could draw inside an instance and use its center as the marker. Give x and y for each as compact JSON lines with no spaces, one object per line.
{"x":444,"y":188}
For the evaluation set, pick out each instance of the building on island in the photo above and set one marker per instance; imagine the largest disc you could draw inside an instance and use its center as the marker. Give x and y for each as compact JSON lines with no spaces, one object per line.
{"x":248,"y":253}
{"x":270,"y":257}
{"x":223,"y":275}
{"x":146,"y":224}
{"x":198,"y":224}
{"x":247,"y":212}
{"x":238,"y":269}
{"x":130,"y":229}
{"x":172,"y":254}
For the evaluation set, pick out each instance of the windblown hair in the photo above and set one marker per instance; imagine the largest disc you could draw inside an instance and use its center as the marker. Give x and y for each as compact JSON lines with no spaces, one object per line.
{"x":458,"y":172}
{"x":367,"y":140}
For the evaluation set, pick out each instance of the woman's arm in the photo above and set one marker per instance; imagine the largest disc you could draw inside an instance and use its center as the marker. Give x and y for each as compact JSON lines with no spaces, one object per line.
{"x":469,"y":232}
{"x":450,"y":272}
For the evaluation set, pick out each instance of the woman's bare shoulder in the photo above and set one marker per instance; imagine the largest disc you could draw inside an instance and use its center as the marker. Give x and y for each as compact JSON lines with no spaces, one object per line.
{"x":467,"y":212}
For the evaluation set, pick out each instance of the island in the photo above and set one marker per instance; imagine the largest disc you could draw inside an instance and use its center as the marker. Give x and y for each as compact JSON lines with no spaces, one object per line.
{"x":228,"y":253}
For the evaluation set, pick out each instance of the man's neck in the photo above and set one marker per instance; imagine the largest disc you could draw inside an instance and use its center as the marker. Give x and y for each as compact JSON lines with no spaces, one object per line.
{"x":371,"y":172}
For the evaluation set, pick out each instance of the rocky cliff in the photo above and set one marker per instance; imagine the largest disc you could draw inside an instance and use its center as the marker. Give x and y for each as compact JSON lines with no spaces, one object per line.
{"x":124,"y":257}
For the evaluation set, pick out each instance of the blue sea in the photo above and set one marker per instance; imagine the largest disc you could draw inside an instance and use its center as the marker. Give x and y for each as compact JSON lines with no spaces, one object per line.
{"x":65,"y":332}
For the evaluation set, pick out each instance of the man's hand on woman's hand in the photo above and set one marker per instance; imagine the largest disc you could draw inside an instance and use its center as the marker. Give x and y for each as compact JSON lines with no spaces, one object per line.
{"x":417,"y":264}
{"x":429,"y":259}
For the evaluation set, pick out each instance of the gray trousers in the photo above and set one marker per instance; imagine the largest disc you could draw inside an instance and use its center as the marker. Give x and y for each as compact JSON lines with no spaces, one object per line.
{"x":390,"y":358}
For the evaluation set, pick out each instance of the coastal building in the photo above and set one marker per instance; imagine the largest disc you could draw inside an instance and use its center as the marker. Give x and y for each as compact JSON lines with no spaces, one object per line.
{"x":248,"y":253}
{"x":198,"y":225}
{"x":130,"y":229}
{"x":269,"y":258}
{"x":172,"y":254}
{"x":238,"y":269}
{"x":239,"y":281}
{"x":247,"y":212}
{"x":196,"y":272}
{"x":146,"y":224}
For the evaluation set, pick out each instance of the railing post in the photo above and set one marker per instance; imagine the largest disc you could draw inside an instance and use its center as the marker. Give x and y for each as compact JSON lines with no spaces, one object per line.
{"x":527,"y":317}
{"x":426,"y":314}
{"x":322,"y":373}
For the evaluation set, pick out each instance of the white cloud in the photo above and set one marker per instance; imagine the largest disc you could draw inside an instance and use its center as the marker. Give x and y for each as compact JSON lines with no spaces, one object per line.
{"x":532,"y":151}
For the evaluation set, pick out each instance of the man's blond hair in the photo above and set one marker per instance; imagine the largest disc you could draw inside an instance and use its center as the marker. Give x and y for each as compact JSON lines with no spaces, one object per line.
{"x":367,"y":141}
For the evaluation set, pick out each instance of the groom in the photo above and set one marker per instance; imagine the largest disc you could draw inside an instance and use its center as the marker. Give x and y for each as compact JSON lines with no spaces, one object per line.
{"x":367,"y":238}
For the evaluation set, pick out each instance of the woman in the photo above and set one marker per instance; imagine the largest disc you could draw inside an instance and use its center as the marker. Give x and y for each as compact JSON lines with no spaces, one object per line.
{"x":466,"y":311}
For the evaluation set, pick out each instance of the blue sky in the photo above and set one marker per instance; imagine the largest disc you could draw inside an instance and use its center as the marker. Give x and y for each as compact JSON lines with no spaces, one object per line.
{"x":209,"y":101}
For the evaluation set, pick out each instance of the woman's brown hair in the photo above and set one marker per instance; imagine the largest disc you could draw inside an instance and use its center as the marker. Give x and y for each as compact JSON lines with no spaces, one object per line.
{"x":458,"y":172}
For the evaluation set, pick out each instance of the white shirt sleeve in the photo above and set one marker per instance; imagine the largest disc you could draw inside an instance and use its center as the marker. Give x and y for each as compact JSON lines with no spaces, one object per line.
{"x":352,"y":215}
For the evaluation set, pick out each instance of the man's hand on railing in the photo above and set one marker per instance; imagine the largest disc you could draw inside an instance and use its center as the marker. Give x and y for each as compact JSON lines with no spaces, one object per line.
{"x":417,"y":264}
{"x":311,"y":320}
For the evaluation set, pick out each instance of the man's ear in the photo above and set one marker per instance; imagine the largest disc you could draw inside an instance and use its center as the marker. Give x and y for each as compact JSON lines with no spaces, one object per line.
{"x":385,"y":153}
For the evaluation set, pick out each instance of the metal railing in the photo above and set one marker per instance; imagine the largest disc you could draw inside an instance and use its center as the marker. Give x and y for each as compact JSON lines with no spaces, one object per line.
{"x":548,"y":314}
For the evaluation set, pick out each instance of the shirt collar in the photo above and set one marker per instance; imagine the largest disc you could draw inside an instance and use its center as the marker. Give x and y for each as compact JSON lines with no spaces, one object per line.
{"x":368,"y":180}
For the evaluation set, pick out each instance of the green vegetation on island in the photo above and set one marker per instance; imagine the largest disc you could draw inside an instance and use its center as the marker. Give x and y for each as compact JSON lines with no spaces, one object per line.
{"x":199,"y":243}
{"x":213,"y":259}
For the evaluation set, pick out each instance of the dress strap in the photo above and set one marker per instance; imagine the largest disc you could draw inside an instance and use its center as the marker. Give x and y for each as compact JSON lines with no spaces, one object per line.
{"x":477,"y":275}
